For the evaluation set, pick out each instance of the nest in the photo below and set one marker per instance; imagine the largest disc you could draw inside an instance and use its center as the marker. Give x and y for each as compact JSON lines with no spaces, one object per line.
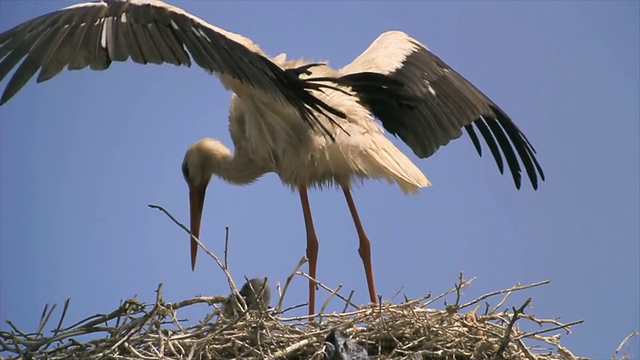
{"x":408,"y":330}
{"x":412,"y":329}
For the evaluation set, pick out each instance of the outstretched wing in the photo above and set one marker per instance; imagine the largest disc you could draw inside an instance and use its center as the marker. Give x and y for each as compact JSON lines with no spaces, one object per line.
{"x":421,"y":99}
{"x":148,"y":31}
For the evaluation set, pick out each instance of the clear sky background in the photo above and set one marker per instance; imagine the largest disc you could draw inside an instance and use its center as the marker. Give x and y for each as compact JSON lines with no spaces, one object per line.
{"x":83,"y":154}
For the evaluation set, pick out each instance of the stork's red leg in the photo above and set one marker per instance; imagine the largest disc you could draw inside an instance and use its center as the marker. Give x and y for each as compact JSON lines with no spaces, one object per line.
{"x":312,"y":246}
{"x":365,"y":247}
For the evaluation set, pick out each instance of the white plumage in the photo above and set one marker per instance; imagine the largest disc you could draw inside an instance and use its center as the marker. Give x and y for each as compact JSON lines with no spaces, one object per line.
{"x":297,"y":153}
{"x":310,"y":124}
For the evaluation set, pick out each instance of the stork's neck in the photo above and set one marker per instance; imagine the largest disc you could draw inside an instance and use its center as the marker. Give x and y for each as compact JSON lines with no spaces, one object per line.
{"x":238,"y":169}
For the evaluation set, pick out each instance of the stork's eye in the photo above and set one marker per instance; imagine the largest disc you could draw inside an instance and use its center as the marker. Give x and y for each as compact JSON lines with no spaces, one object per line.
{"x":185,"y":170}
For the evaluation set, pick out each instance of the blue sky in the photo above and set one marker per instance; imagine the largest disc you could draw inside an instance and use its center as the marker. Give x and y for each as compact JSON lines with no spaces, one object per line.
{"x":83,"y":154}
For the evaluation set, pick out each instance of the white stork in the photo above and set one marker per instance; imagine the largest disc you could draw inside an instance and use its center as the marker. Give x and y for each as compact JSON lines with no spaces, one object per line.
{"x":312,"y":125}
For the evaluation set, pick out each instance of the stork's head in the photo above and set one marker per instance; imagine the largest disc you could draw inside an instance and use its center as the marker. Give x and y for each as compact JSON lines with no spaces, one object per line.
{"x":203,"y":159}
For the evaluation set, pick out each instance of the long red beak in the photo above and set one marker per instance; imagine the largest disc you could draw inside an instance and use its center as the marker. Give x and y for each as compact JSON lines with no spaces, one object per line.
{"x":196,"y":202}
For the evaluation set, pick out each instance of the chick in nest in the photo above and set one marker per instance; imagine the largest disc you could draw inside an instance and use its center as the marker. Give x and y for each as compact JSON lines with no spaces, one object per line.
{"x":256,"y":294}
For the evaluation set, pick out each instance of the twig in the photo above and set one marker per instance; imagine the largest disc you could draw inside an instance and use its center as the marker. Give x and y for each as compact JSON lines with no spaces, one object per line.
{"x":501,"y":302}
{"x":292,"y":308}
{"x":288,"y":281}
{"x":44,"y":318}
{"x":346,"y":303}
{"x":224,"y":269}
{"x":290,"y":349}
{"x":326,"y":288}
{"x":467,"y":283}
{"x":507,"y":332}
{"x":557,"y":327}
{"x":459,"y":290}
{"x":326,"y":302}
{"x":525,"y":350}
{"x":64,"y":314}
{"x":226,"y":247}
{"x":512,"y":289}
{"x":615,"y":353}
